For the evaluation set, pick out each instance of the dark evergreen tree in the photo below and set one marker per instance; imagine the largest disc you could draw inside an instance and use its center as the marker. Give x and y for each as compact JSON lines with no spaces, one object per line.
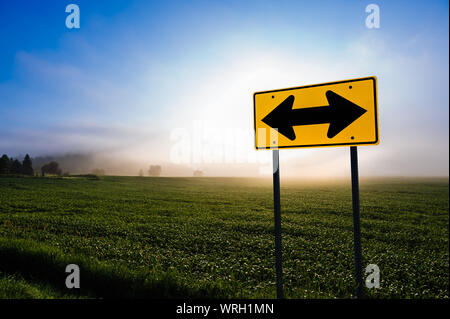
{"x":5,"y":165}
{"x":27,"y":166}
{"x":16,"y":167}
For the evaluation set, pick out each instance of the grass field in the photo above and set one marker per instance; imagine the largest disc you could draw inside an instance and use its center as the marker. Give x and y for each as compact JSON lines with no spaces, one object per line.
{"x":213,"y":237}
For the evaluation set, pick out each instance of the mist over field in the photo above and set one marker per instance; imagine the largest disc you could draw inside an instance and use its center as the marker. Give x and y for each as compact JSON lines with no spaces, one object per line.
{"x":332,"y":163}
{"x":87,"y":163}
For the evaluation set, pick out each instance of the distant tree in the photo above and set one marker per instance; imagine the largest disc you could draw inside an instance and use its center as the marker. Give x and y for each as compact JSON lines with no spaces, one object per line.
{"x":27,"y":166}
{"x":141,"y":173}
{"x":5,"y":165}
{"x":198,"y":173}
{"x":51,"y":168}
{"x":98,"y":171}
{"x":155,"y":170}
{"x":16,"y":167}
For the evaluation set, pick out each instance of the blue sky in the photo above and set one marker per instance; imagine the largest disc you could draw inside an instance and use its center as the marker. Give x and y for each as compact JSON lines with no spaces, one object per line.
{"x":137,"y":70}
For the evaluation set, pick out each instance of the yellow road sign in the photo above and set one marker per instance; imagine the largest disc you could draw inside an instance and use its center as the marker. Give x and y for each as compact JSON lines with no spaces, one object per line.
{"x":340,"y":113}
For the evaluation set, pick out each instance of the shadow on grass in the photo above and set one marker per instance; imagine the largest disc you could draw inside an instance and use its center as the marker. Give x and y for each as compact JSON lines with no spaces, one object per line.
{"x":39,"y":263}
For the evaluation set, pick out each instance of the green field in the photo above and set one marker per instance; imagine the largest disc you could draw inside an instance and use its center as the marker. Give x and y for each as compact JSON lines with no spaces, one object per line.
{"x":213,"y":237}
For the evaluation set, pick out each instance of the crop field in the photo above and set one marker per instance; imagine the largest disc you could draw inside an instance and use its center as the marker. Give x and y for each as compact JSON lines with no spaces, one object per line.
{"x":140,"y":237}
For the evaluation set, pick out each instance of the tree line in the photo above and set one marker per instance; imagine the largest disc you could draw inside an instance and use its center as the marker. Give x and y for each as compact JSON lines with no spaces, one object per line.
{"x":9,"y":165}
{"x":12,"y":166}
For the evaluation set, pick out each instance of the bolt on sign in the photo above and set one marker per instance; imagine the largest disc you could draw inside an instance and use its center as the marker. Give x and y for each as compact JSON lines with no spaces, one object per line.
{"x":343,"y":113}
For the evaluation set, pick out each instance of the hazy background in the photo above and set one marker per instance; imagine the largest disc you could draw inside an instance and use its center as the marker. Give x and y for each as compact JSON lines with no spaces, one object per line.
{"x":116,"y":93}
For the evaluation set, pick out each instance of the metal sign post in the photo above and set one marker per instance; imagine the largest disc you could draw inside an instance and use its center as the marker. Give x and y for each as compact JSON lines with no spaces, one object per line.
{"x":356,"y":222}
{"x":277,"y":215}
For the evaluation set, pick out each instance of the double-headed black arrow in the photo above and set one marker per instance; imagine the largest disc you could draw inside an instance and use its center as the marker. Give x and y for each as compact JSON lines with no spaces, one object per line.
{"x":340,"y":113}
